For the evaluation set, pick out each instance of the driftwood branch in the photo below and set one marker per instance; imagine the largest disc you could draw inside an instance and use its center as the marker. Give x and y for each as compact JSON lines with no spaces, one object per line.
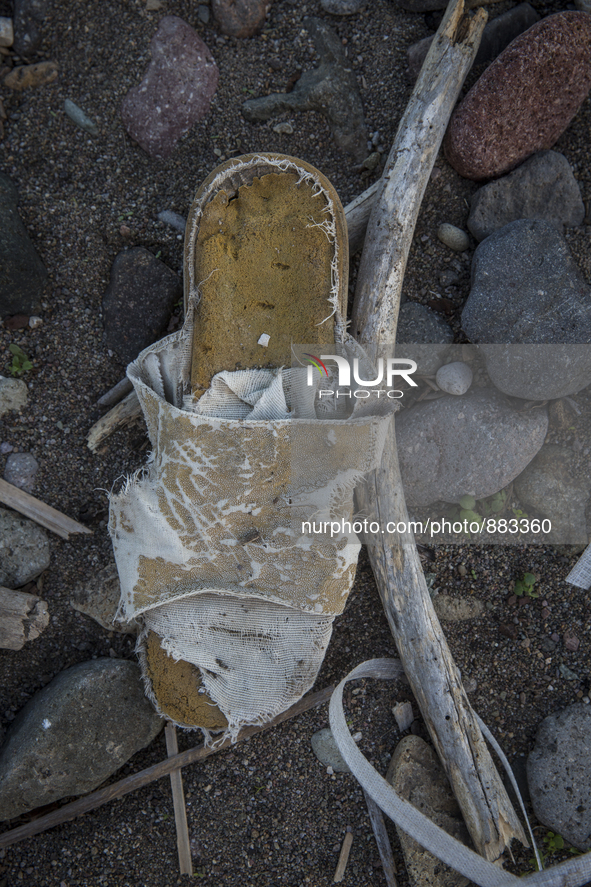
{"x":126,"y":411}
{"x":422,"y":647}
{"x":43,"y":514}
{"x":115,"y":394}
{"x":150,"y":774}
{"x":22,"y":618}
{"x":382,"y":840}
{"x":178,"y":801}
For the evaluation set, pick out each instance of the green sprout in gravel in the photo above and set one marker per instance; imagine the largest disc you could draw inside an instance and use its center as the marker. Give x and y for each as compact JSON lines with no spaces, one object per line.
{"x":525,"y":585}
{"x":553,"y":843}
{"x":20,"y":362}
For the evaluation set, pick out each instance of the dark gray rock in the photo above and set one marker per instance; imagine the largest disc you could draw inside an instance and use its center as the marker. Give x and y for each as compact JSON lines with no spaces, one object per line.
{"x":426,"y":337}
{"x":558,"y":774}
{"x":24,"y":549}
{"x":28,"y":22}
{"x":543,"y":187}
{"x":496,"y":36}
{"x":138,"y":301}
{"x":21,"y":470}
{"x":330,"y":89}
{"x":22,"y":273}
{"x":74,"y":733}
{"x":471,"y":445}
{"x":554,"y":488}
{"x":527,"y":289}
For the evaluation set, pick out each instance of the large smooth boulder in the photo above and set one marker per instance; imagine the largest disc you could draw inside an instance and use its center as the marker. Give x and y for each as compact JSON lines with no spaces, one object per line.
{"x":470,"y":445}
{"x":74,"y":733}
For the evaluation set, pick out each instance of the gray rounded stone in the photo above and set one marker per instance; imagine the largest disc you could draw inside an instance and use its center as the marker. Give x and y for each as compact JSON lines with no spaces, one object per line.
{"x":22,"y":273}
{"x":13,"y":394}
{"x":74,"y":733}
{"x":558,"y":774}
{"x":454,"y":378}
{"x":327,"y":752}
{"x":21,"y":470}
{"x":543,"y":187}
{"x":538,"y":372}
{"x":552,"y":486}
{"x":453,"y":237}
{"x":426,"y":337}
{"x":527,"y":289}
{"x":24,"y":549}
{"x":138,"y":302}
{"x":471,"y":445}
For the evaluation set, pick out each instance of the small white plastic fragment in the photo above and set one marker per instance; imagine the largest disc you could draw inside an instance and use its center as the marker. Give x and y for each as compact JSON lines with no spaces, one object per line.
{"x":264,"y":340}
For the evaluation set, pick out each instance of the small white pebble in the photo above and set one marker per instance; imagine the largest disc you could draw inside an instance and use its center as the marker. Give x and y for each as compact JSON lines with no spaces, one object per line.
{"x":586,"y":700}
{"x":285,"y":129}
{"x":330,"y":771}
{"x":35,"y":322}
{"x":454,"y":378}
{"x":453,"y":237}
{"x":264,"y":340}
{"x":46,"y":723}
{"x":357,"y":737}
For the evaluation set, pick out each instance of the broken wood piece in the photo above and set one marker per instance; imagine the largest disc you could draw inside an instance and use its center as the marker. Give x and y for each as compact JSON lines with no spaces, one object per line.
{"x":423,"y":650}
{"x":178,"y":801}
{"x":126,"y":411}
{"x":43,"y":514}
{"x":150,"y":774}
{"x":115,"y":394}
{"x":357,"y":213}
{"x":381,"y":835}
{"x":22,"y":618}
{"x":343,"y":857}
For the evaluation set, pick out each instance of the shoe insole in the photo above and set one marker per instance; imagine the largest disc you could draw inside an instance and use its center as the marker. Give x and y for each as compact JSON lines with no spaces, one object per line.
{"x":263,"y":266}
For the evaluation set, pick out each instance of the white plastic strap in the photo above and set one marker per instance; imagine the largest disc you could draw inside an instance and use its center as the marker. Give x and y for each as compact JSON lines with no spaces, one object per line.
{"x":580,"y":575}
{"x":572,"y":873}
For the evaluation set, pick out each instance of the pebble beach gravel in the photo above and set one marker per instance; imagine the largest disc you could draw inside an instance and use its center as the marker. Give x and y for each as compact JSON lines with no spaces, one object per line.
{"x":265,"y":811}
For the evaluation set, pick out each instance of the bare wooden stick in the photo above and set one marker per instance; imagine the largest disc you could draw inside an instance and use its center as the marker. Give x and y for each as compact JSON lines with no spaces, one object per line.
{"x":343,"y":857}
{"x":150,"y":774}
{"x":422,"y":647}
{"x":358,"y":213}
{"x":43,"y":514}
{"x":381,"y":835}
{"x":22,"y":618}
{"x":178,"y":802}
{"x":115,"y":394}
{"x":122,"y":414}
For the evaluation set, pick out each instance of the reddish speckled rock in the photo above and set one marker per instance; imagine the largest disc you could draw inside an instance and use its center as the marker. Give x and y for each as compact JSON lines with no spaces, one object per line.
{"x":240,"y":18}
{"x":525,"y":100}
{"x":175,"y":92}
